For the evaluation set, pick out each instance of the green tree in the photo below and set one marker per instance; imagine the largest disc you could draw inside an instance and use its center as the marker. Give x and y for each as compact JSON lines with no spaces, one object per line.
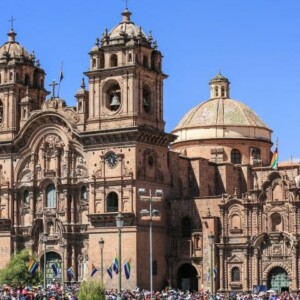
{"x":16,"y":271}
{"x":91,"y":290}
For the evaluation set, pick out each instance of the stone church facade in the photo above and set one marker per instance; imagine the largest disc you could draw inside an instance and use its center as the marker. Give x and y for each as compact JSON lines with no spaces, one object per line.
{"x":68,"y":171}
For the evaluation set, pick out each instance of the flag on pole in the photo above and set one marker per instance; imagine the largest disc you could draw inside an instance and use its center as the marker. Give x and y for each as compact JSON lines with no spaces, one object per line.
{"x":215,"y":272}
{"x":55,"y":269}
{"x":208,"y":274}
{"x":274,"y":161}
{"x":116,"y":264}
{"x":94,"y":270}
{"x":127,"y":268}
{"x":110,"y":272}
{"x":32,"y":266}
{"x":71,"y":272}
{"x":61,"y":73}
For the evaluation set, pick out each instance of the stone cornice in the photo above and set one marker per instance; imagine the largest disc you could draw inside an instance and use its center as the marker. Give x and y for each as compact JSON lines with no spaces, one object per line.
{"x":126,"y":135}
{"x":109,"y":219}
{"x":121,"y":70}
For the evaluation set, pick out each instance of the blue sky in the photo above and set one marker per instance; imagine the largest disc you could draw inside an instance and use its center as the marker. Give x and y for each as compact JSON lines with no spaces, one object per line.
{"x":254,"y":43}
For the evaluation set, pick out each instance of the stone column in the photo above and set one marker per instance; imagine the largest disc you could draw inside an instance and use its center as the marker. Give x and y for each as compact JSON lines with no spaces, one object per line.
{"x":255,"y":273}
{"x":57,"y":162}
{"x":72,"y":195}
{"x":246,"y":273}
{"x":221,"y":254}
{"x":295,"y":278}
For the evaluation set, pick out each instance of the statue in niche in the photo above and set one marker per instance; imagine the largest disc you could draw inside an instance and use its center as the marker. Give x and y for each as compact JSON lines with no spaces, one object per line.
{"x":81,"y":160}
{"x":51,"y":230}
{"x":78,"y":172}
{"x":297,"y":181}
{"x":39,"y":204}
{"x":61,"y":205}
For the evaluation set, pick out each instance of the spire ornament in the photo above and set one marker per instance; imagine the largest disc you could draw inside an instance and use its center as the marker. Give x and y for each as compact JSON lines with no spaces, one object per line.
{"x":12,"y":23}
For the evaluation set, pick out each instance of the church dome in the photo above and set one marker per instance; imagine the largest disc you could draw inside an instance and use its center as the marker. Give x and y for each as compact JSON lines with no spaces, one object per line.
{"x":220,"y":112}
{"x":12,"y":50}
{"x":221,"y":117}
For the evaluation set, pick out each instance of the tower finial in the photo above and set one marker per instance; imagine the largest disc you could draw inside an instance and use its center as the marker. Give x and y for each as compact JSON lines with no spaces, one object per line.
{"x":12,"y":23}
{"x":126,"y":4}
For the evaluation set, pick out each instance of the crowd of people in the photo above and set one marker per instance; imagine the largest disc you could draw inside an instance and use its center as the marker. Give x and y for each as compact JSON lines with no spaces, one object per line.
{"x":70,"y":292}
{"x":174,"y":294}
{"x":52,"y":292}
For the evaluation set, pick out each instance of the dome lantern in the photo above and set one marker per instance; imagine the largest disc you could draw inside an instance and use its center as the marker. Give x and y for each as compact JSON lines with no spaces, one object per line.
{"x":126,"y":16}
{"x":11,"y":36}
{"x":219,"y":87}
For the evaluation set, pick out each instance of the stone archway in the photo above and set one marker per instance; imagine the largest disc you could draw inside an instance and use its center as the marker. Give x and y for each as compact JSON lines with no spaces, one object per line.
{"x":278,"y":280}
{"x":53,"y":263}
{"x":187,"y":278}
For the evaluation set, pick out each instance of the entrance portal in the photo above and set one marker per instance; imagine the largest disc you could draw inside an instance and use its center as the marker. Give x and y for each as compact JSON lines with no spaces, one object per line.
{"x":53,"y":267}
{"x":278,"y":280}
{"x":187,"y":278}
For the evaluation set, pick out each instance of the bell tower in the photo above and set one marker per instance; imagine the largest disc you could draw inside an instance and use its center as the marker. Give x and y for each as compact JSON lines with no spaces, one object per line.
{"x":125,"y":79}
{"x":21,"y":86}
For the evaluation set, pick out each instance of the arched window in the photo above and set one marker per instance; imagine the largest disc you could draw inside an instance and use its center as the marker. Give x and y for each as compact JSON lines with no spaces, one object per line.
{"x":222,"y":91}
{"x":27,"y":79}
{"x":235,"y":222}
{"x":26,"y":196}
{"x":10,"y":75}
{"x":101,"y":58}
{"x":145,"y":61}
{"x":129,"y":57}
{"x":276,"y":222}
{"x":1,"y":111}
{"x":83,"y":193}
{"x":114,"y":60}
{"x":113,"y":97}
{"x":112,"y":202}
{"x":235,"y":156}
{"x":216,"y":91}
{"x":186,"y":227}
{"x":51,"y":195}
{"x":159,"y":65}
{"x":146,"y":99}
{"x":94,"y":62}
{"x":235,"y":274}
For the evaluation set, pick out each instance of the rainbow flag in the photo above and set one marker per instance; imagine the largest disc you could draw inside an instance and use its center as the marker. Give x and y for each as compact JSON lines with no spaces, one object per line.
{"x":71,"y":272}
{"x":127,"y":268}
{"x":116,"y":264}
{"x":32,"y":266}
{"x":274,"y":161}
{"x":94,"y":270}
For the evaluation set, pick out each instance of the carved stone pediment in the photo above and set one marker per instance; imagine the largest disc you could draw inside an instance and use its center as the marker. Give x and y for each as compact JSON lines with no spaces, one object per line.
{"x":57,"y":104}
{"x":235,"y":259}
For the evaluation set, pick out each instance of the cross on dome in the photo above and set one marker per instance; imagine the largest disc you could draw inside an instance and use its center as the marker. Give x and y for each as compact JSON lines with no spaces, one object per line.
{"x":12,"y":22}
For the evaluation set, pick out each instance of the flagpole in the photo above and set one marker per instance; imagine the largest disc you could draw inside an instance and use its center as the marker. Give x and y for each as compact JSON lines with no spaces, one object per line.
{"x":60,"y":78}
{"x":277,"y":153}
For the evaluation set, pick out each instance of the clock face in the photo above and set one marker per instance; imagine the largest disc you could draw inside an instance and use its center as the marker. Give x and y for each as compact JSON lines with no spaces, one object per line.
{"x":111,"y":159}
